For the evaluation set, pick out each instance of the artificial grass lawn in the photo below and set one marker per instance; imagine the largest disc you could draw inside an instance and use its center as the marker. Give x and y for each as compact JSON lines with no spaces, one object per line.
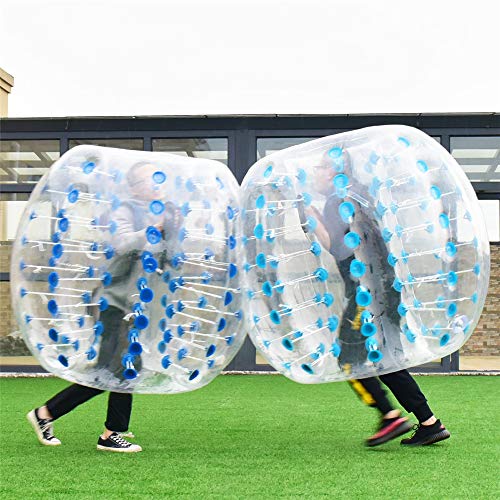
{"x":253,"y":437}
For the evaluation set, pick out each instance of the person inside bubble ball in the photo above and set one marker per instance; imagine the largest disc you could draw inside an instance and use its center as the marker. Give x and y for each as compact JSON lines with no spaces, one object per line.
{"x":133,"y":220}
{"x":330,"y":232}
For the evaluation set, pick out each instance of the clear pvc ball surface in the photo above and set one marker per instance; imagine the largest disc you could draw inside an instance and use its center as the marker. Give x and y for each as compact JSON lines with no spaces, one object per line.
{"x":125,"y":270}
{"x":365,"y":253}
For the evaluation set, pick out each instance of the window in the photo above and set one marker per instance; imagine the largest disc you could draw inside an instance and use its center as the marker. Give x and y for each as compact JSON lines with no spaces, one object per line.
{"x":125,"y":143}
{"x":478,"y":156}
{"x":268,"y":145}
{"x":25,"y":162}
{"x":207,"y":148}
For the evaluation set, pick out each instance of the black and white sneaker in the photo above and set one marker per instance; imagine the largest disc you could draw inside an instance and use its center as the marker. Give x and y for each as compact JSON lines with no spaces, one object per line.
{"x":427,"y":434}
{"x":43,"y":428}
{"x":116,"y":443}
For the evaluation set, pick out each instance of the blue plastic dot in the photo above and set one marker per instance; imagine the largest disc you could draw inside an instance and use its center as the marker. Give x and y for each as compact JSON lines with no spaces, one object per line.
{"x":392,"y":259}
{"x":275,"y":317}
{"x":88,"y":167}
{"x":307,"y":368}
{"x":157,"y":207}
{"x":141,"y":322}
{"x":363,"y":298}
{"x":63,"y":224}
{"x":73,"y":195}
{"x":451,"y":249}
{"x":260,"y":202}
{"x":335,"y":152}
{"x":259,"y":231}
{"x":267,"y":288}
{"x":422,"y":166}
{"x":268,"y":171}
{"x":312,"y":223}
{"x":444,"y":339}
{"x":452,"y":278}
{"x":435,"y":192}
{"x":335,"y":350}
{"x":332,"y":323}
{"x":63,"y":360}
{"x":444,"y":221}
{"x":341,"y":181}
{"x":404,"y":141}
{"x":165,"y":362}
{"x":402,"y":309}
{"x":287,"y":344}
{"x":153,"y":235}
{"x":368,"y":329}
{"x":321,"y":274}
{"x":397,"y":285}
{"x":451,"y":310}
{"x":476,"y":269}
{"x":221,"y":325}
{"x":261,"y":260}
{"x":346,"y":211}
{"x":306,"y":198}
{"x":159,"y":177}
{"x":352,"y":240}
{"x":53,"y":335}
{"x":328,"y":299}
{"x":301,"y":176}
{"x":357,"y":268}
{"x":386,"y":235}
{"x":52,"y":307}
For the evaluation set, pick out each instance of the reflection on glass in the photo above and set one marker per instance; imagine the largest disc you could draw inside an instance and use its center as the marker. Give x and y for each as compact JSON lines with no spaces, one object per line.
{"x":491,"y":212}
{"x":24,"y":162}
{"x":208,"y":148}
{"x":125,"y":143}
{"x":478,"y":156}
{"x":11,"y":209}
{"x":268,"y":145}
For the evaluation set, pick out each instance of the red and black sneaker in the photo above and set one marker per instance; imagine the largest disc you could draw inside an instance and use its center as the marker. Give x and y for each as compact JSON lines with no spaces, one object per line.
{"x":427,"y":434}
{"x":390,"y":428}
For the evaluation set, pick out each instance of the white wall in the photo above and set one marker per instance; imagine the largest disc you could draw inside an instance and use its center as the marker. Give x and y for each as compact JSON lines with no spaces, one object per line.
{"x":128,"y":57}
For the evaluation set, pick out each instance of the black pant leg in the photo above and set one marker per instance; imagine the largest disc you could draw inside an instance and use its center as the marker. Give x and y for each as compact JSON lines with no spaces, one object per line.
{"x":408,"y":393}
{"x":68,"y":399}
{"x":119,"y":410}
{"x":371,"y":392}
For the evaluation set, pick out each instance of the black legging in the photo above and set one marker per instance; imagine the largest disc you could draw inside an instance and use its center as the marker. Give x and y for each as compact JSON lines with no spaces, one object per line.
{"x":402,"y":385}
{"x":114,"y":341}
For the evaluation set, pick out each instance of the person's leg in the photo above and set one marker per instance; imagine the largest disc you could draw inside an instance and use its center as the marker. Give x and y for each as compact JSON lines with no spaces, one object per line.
{"x":67,"y":400}
{"x":42,"y":418}
{"x":392,"y":424}
{"x":406,"y":390}
{"x":408,"y":393}
{"x":119,"y":411}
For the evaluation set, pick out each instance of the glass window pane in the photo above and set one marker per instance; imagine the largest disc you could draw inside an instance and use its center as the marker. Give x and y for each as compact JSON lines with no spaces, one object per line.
{"x":11,"y":209}
{"x":24,"y":162}
{"x":125,"y":143}
{"x":11,"y":342}
{"x":478,"y":156}
{"x":491,"y":211}
{"x":268,"y":145}
{"x":208,"y":148}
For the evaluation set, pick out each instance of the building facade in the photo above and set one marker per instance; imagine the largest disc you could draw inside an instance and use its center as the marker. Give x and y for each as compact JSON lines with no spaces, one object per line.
{"x":29,"y":146}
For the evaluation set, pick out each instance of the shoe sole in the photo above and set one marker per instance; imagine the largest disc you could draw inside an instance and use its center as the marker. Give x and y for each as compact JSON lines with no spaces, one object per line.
{"x":117,"y":450}
{"x":435,"y":438}
{"x":398,"y":431}
{"x":34,"y":423}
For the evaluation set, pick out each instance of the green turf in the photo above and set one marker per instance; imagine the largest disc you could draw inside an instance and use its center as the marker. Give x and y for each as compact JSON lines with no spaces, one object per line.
{"x":253,"y":437}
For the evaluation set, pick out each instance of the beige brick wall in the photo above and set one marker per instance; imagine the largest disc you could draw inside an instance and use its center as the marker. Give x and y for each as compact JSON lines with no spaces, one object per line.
{"x":485,"y":341}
